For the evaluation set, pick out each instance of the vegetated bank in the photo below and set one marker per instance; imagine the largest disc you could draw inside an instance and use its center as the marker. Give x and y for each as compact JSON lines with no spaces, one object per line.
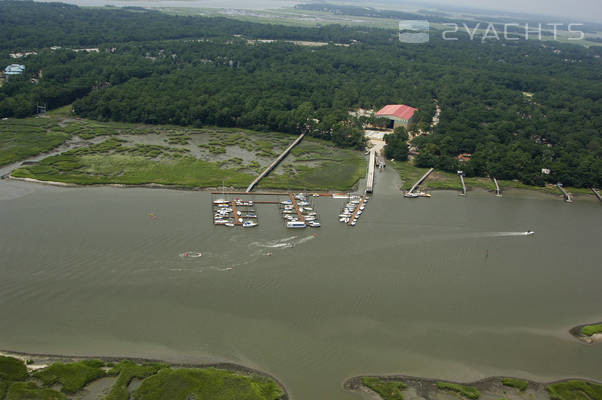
{"x":184,"y":157}
{"x":26,"y":376}
{"x":398,"y":387}
{"x":442,"y":180}
{"x":590,"y":334}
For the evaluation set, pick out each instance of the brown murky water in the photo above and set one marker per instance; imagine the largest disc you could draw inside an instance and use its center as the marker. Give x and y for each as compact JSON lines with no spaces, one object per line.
{"x":408,"y":290}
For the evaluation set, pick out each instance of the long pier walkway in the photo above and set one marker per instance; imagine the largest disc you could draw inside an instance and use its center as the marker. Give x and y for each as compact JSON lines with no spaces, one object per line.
{"x":294,"y":201}
{"x":237,"y":219}
{"x":371,"y":165}
{"x":463,"y":185}
{"x":566,"y":194}
{"x":421,"y":180}
{"x":498,"y":191}
{"x":275,"y":162}
{"x":357,"y":209}
{"x":597,"y":193}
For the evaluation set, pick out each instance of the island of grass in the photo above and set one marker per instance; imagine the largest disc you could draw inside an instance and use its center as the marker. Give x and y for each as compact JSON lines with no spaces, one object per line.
{"x":60,"y":378}
{"x":589,"y":334}
{"x":136,"y":154}
{"x":399,"y":387}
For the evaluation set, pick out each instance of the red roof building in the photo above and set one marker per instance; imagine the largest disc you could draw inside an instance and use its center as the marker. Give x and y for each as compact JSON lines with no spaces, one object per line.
{"x":400,"y":114}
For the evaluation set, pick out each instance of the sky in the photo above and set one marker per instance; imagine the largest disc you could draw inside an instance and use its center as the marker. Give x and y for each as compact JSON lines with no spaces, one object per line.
{"x":586,"y":10}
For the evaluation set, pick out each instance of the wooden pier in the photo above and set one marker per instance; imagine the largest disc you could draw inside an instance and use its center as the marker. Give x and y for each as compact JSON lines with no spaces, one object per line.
{"x":357,"y":209}
{"x":463,"y":185}
{"x":421,"y":180}
{"x":567,"y":195}
{"x":597,"y":194}
{"x":371,"y":165}
{"x":237,"y":219}
{"x":498,"y":191}
{"x":275,"y":163}
{"x":294,"y":201}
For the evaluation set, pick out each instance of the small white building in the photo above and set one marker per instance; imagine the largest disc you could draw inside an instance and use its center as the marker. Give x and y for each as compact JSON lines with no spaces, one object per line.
{"x":13,"y":69}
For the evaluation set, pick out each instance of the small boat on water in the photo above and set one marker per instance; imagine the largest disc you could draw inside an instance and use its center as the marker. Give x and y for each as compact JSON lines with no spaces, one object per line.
{"x":530,"y":233}
{"x":410,"y":195}
{"x":249,"y":224}
{"x":296,"y":224}
{"x":314,"y":224}
{"x":229,"y":224}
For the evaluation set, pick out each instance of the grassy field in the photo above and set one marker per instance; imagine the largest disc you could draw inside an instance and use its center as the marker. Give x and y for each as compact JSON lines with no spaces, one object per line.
{"x":137,"y":154}
{"x":159,"y":382}
{"x":20,"y":139}
{"x":590,"y":330}
{"x":440,"y":180}
{"x":317,"y":165}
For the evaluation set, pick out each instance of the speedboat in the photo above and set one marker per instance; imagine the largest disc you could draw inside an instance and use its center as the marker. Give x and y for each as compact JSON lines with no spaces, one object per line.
{"x":530,"y":233}
{"x":295,"y":224}
{"x":229,"y":224}
{"x":249,"y":224}
{"x":410,"y":195}
{"x":314,"y":224}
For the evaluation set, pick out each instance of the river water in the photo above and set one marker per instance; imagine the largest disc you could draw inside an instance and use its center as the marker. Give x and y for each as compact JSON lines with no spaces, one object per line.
{"x":444,"y":287}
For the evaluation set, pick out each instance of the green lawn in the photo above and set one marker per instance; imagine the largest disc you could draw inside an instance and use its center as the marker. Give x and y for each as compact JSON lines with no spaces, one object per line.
{"x":206,"y":384}
{"x":388,"y":390}
{"x":590,"y":330}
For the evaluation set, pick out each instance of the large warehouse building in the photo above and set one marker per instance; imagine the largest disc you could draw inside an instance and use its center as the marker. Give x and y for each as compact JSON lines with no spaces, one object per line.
{"x":399,"y":114}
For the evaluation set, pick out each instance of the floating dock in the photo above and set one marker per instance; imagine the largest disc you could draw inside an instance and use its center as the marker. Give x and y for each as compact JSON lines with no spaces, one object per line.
{"x":597,"y":194}
{"x":357,"y":209}
{"x":294,"y":201}
{"x":371,"y":165}
{"x":275,"y":162}
{"x":567,"y":195}
{"x":237,"y":219}
{"x":421,"y":180}
{"x":498,"y":191}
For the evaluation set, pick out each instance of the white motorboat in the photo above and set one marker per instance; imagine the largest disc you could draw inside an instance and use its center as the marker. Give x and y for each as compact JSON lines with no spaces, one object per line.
{"x":249,"y":224}
{"x":296,"y":224}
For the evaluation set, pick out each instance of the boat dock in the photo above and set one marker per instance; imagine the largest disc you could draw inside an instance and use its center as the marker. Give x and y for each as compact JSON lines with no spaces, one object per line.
{"x":597,"y":194}
{"x":294,"y":201}
{"x":237,"y":220}
{"x":354,"y":216}
{"x":275,"y":163}
{"x":421,"y":180}
{"x":371,"y":165}
{"x":498,"y":191}
{"x":463,"y":185}
{"x":567,"y":195}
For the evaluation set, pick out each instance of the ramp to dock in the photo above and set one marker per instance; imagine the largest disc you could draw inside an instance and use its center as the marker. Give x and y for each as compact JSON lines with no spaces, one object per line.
{"x":597,"y":194}
{"x":421,"y":180}
{"x":463,"y":185}
{"x":498,"y":191}
{"x":371,"y":164}
{"x":275,"y":162}
{"x":567,"y":195}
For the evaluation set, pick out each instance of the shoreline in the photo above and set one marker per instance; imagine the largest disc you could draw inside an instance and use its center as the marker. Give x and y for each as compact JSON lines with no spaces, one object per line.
{"x":581,"y":196}
{"x":426,"y":387}
{"x":593,"y":339}
{"x":42,"y":360}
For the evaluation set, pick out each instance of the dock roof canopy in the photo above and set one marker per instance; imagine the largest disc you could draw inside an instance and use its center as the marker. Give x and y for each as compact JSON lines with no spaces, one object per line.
{"x":397,"y":110}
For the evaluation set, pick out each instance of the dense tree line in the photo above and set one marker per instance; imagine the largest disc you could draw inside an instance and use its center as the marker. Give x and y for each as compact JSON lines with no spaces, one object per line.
{"x":517,"y":107}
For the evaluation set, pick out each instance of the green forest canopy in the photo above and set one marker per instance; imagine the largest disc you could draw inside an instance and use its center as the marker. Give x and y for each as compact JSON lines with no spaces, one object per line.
{"x":162,"y":69}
